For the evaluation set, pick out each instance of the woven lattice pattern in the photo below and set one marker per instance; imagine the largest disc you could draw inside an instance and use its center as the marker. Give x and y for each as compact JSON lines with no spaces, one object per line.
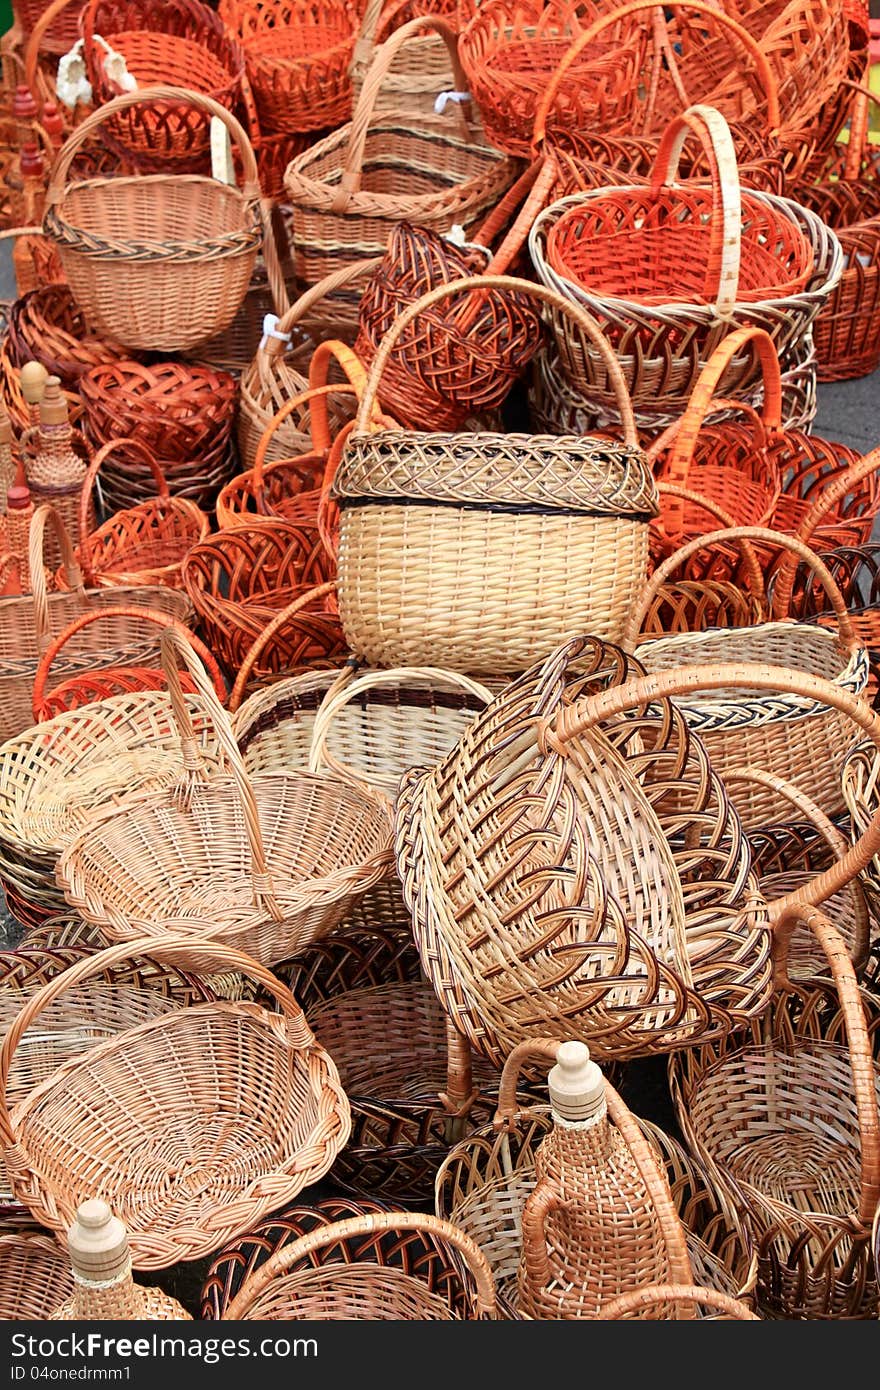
{"x":35,"y":1275}
{"x":525,"y":871}
{"x":178,"y":410}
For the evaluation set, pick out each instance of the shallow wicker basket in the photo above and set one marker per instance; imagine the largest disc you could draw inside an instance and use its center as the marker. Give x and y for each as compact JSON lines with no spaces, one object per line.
{"x":482,"y":551}
{"x":268,"y":863}
{"x":178,"y":410}
{"x":196,"y":1124}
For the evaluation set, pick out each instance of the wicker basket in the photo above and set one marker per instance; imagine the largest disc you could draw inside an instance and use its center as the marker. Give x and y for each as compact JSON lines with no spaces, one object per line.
{"x":55,"y":776}
{"x":350,"y":190}
{"x":846,"y":193}
{"x":663,"y":346}
{"x":241,"y":578}
{"x":142,"y":545}
{"x":800,"y":743}
{"x":482,"y":551}
{"x":196,"y":1124}
{"x":30,"y":622}
{"x":786,"y":1124}
{"x":305,"y":637}
{"x":664,"y":1300}
{"x":280,"y":370}
{"x":63,"y":29}
{"x":861,"y":789}
{"x":574,"y":825}
{"x":122,"y":997}
{"x":48,"y":326}
{"x":457,"y":359}
{"x":422,"y":68}
{"x":35,"y":1275}
{"x":161,"y":262}
{"x":89,"y":687}
{"x":483,"y":1184}
{"x":171,"y":43}
{"x":297,"y":57}
{"x":395,"y":1265}
{"x":271,"y":863}
{"x":179,"y":411}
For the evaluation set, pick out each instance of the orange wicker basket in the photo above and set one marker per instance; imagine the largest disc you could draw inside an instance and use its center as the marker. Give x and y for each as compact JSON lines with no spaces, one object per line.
{"x":178,"y":410}
{"x":62,"y":30}
{"x":175,"y":43}
{"x":298,"y":54}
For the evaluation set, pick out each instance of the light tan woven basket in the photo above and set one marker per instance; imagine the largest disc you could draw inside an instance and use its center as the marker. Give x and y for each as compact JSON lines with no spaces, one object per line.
{"x":192,"y":1126}
{"x":421,"y":70}
{"x":159,"y":262}
{"x":267,"y":863}
{"x":35,"y":1275}
{"x":483,"y":551}
{"x":802,"y":744}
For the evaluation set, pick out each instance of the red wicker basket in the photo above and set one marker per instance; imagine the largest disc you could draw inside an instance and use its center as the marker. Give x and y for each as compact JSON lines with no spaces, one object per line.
{"x":177,"y":410}
{"x":62,"y":30}
{"x":177,"y":43}
{"x":298,"y":54}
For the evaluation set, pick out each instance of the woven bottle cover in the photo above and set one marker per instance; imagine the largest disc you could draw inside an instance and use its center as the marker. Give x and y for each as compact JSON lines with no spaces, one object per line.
{"x":577,"y":1086}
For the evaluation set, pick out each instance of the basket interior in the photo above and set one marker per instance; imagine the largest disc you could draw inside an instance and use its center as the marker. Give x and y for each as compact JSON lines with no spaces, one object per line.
{"x":153,"y":209}
{"x":400,"y":162}
{"x":158,"y":59}
{"x":339,"y":1292}
{"x":799,"y":646}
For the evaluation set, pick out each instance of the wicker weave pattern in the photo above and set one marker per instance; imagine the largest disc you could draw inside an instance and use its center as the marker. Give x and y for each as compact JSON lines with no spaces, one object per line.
{"x":176,"y":410}
{"x":36,"y":1275}
{"x":528,"y":930}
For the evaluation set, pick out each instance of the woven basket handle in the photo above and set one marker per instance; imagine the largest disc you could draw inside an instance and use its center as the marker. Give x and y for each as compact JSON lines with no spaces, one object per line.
{"x":726,"y":519}
{"x":721,"y":281}
{"x":278,"y":622}
{"x":677,"y":463}
{"x":573,"y":312}
{"x":858,"y":131}
{"x":352,"y":168}
{"x":765,"y":72}
{"x":584,"y":714}
{"x":861,"y":1058}
{"x":848,"y":638}
{"x":336,"y":699}
{"x":365,"y":43}
{"x":534,"y":1240}
{"x":828,"y":498}
{"x":175,"y":648}
{"x":145,"y":615}
{"x":174,"y":949}
{"x":308,"y":397}
{"x":145,"y":95}
{"x":35,"y":43}
{"x":372,"y":1223}
{"x":836,"y":842}
{"x":72,"y":573}
{"x":111,"y":447}
{"x":656,"y":1295}
{"x":275,"y":346}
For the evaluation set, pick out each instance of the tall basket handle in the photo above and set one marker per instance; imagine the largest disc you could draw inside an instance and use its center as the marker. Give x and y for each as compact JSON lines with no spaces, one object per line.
{"x":111,"y":447}
{"x":181,"y":95}
{"x":834,"y":839}
{"x":72,"y":572}
{"x":861,"y":1057}
{"x":765,"y":72}
{"x":726,"y":518}
{"x":365,"y":43}
{"x":336,"y":699}
{"x":858,"y":130}
{"x":534,"y":1242}
{"x":575,"y":314}
{"x":372,"y":1223}
{"x":847,"y":636}
{"x":280,"y":620}
{"x":655,"y":1295}
{"x":352,"y":168}
{"x":675,"y":466}
{"x":174,"y":949}
{"x":569,"y":723}
{"x":308,"y":397}
{"x":836,"y":490}
{"x":176,"y":648}
{"x":274,"y":345}
{"x":146,"y":615}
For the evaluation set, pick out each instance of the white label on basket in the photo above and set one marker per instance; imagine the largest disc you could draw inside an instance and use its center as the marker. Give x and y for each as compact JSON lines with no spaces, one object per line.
{"x":222,"y":166}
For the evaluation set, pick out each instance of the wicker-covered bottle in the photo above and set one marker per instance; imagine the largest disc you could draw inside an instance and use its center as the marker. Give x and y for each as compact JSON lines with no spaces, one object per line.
{"x":103,"y":1286}
{"x":592,"y":1227}
{"x":19,"y":515}
{"x":7,"y":463}
{"x":55,"y":472}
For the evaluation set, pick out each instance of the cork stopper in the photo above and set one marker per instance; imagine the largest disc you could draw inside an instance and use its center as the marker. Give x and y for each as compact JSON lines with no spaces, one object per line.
{"x":33,"y":377}
{"x":98,"y":1242}
{"x":53,"y":406}
{"x":577,"y":1086}
{"x":18,"y":499}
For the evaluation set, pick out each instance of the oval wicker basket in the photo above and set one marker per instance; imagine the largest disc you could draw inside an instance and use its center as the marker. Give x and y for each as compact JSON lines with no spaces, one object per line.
{"x":160,"y":262}
{"x":482,"y":551}
{"x":178,"y":410}
{"x":268,"y":863}
{"x":200,"y":1122}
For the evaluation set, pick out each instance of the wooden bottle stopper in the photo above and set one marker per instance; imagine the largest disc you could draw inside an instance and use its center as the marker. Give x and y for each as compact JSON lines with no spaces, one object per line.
{"x":33,"y":377}
{"x":98,"y":1243}
{"x":577,"y":1086}
{"x":53,"y":405}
